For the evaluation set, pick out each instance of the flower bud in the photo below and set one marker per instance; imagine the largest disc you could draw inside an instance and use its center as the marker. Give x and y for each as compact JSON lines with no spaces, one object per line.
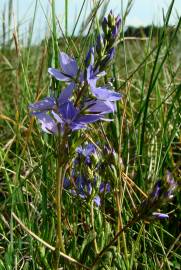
{"x":105,"y":26}
{"x":160,"y":215}
{"x":161,"y":193}
{"x":108,"y":57}
{"x":111,"y":19}
{"x":157,"y":190}
{"x":99,"y":45}
{"x":118,"y":21}
{"x":114,"y":32}
{"x":90,"y":57}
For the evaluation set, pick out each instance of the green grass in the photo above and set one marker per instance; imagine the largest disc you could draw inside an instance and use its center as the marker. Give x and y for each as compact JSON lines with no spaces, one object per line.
{"x":145,"y":134}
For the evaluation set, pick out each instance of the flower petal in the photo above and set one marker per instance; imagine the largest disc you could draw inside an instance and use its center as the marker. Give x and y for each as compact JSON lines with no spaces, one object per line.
{"x":90,"y":149}
{"x":66,"y":94}
{"x":100,"y":107}
{"x":74,"y":126}
{"x":58,"y":75}
{"x":91,"y":77}
{"x":104,"y":187}
{"x":160,"y":215}
{"x":43,"y":105}
{"x":105,"y":94}
{"x":68,"y":65}
{"x":57,"y":117}
{"x":87,"y":118}
{"x":90,"y":57}
{"x":68,"y":111}
{"x":47,"y":123}
{"x":97,"y":200}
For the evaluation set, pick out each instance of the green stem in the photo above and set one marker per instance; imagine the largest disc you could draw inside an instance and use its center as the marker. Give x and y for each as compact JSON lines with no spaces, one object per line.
{"x":129,"y":224}
{"x":59,"y":186}
{"x":60,"y":177}
{"x":120,"y":224}
{"x":92,"y":221}
{"x":60,"y":174}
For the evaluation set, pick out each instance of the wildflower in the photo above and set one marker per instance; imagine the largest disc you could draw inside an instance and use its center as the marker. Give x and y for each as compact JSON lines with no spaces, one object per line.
{"x":67,"y":116}
{"x":50,"y":103}
{"x":107,"y":59}
{"x":84,"y":189}
{"x":104,"y":187}
{"x":101,"y":93}
{"x":160,"y":215}
{"x":69,"y":69}
{"x":161,"y":193}
{"x":100,"y":45}
{"x":52,"y":113}
{"x":111,"y":26}
{"x":93,"y":75}
{"x":86,"y":152}
{"x":90,"y":57}
{"x":46,"y":104}
{"x":99,"y":106}
{"x":48,"y":125}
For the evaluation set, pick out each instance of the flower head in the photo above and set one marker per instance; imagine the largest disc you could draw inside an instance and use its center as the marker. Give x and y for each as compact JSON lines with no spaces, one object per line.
{"x":102,"y":93}
{"x":69,"y":68}
{"x":86,"y":152}
{"x":76,"y":106}
{"x":57,"y":114}
{"x":159,"y":215}
{"x":86,"y":189}
{"x":90,"y":57}
{"x":161,"y":193}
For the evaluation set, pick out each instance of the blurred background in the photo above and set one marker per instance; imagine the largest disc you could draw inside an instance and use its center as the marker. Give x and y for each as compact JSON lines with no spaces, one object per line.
{"x":141,"y":13}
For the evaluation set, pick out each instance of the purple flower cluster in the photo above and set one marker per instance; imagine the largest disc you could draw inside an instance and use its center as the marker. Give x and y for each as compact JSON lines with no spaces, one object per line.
{"x":161,"y":193}
{"x":81,"y":185}
{"x":81,"y":102}
{"x":86,"y":152}
{"x":85,"y":189}
{"x":105,"y":46}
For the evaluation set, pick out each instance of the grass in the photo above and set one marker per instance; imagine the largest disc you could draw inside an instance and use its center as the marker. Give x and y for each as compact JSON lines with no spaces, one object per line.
{"x":145,"y":135}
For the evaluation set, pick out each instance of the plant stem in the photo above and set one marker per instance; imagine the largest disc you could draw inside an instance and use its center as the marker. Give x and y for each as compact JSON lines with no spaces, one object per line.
{"x":120,"y":224}
{"x":60,"y":177}
{"x":92,"y":221}
{"x":59,"y":186}
{"x":60,"y":174}
{"x":128,"y":225}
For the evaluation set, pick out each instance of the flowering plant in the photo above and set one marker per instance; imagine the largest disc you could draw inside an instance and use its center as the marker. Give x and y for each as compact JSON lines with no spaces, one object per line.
{"x":81,"y":103}
{"x":67,"y":114}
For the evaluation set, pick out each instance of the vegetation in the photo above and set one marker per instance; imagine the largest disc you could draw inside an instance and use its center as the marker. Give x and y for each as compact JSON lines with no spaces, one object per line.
{"x":143,"y":143}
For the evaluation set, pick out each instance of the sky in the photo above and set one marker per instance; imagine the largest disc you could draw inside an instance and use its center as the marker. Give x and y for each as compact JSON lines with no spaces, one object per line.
{"x":143,"y":12}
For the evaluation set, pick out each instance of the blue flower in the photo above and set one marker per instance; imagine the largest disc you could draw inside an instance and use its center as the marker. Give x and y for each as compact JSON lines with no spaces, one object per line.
{"x":104,"y":187}
{"x":86,"y":152}
{"x":159,"y":215}
{"x":57,"y":114}
{"x":100,"y":106}
{"x":89,"y":60}
{"x":161,"y":193}
{"x":89,"y":149}
{"x":102,"y":93}
{"x":107,"y":59}
{"x":69,"y":73}
{"x":69,"y":69}
{"x":84,"y":189}
{"x":65,"y":115}
{"x":157,"y":191}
